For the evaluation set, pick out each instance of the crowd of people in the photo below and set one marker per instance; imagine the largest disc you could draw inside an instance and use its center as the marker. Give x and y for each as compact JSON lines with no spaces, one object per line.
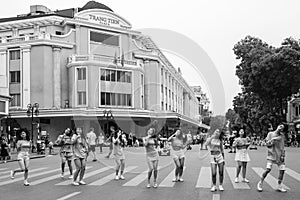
{"x":76,"y":146}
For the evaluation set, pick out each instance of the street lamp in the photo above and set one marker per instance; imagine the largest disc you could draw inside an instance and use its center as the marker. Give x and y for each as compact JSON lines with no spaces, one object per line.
{"x":108,"y":115}
{"x":32,"y":109}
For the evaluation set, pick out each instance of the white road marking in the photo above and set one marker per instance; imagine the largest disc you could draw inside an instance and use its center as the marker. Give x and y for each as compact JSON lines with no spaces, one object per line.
{"x":204,"y":179}
{"x":110,"y":177}
{"x":69,"y":196}
{"x":138,"y":179}
{"x":292,"y":173}
{"x":86,"y":175}
{"x":271,"y":180}
{"x":216,"y":197}
{"x":167,"y":182}
{"x":30,"y":176}
{"x":232,"y":174}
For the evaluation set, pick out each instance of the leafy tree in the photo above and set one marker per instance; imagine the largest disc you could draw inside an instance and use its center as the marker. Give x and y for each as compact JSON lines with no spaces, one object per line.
{"x":217,"y":122}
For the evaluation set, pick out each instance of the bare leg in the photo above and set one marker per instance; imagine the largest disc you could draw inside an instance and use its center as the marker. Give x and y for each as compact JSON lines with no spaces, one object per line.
{"x":280,"y":177}
{"x":238,"y":168}
{"x":244,"y":169}
{"x":214,"y":173}
{"x":78,"y":168}
{"x":181,"y":166}
{"x":82,"y":170}
{"x":221,"y":172}
{"x":155,"y":166}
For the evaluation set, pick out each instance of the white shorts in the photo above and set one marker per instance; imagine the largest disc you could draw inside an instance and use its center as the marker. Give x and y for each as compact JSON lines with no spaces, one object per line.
{"x":178,"y":154}
{"x":216,"y":159}
{"x":23,"y":156}
{"x":281,"y":166}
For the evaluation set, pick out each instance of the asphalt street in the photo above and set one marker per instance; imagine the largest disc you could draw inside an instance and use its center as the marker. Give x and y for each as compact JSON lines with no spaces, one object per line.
{"x":46,"y":183}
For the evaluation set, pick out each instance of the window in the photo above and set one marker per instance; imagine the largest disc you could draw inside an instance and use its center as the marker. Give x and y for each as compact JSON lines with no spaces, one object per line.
{"x":162,"y":105}
{"x":107,"y":99}
{"x":107,"y":75}
{"x":16,"y":101}
{"x":128,"y":99}
{"x":102,"y":76}
{"x":128,"y":77}
{"x":15,"y":77}
{"x":162,"y":88}
{"x":58,"y":33}
{"x":81,"y":73}
{"x":104,"y":38}
{"x":81,"y":98}
{"x":113,"y":75}
{"x":14,"y":55}
{"x":113,"y":99}
{"x":102,"y":98}
{"x":118,"y":97}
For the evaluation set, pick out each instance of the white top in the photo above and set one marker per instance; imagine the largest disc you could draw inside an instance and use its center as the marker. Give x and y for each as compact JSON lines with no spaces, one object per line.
{"x":91,"y":138}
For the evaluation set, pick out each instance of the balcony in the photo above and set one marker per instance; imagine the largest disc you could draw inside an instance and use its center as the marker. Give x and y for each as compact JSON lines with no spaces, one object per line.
{"x":98,"y":58}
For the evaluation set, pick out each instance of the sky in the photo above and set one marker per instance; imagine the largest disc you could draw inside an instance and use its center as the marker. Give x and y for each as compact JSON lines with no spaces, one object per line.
{"x":215,"y":25}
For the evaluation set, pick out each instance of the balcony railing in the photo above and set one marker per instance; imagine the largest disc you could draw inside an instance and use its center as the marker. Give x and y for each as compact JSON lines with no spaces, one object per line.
{"x":79,"y":58}
{"x":26,"y":38}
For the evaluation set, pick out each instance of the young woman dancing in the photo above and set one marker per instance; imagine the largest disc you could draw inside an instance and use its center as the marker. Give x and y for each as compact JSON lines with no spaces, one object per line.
{"x":118,"y":145}
{"x":80,"y":149}
{"x":23,"y":148}
{"x":241,"y":157}
{"x":215,"y":144}
{"x":178,"y":143}
{"x":151,"y":143}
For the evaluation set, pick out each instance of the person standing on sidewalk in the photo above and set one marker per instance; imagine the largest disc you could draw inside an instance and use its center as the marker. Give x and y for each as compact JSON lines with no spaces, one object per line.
{"x":80,"y":148}
{"x":276,"y":155}
{"x":101,"y":141}
{"x":241,"y":157}
{"x":66,"y":151}
{"x":4,"y":154}
{"x":215,"y":144}
{"x":23,"y":147}
{"x":91,"y":140}
{"x":151,"y":144}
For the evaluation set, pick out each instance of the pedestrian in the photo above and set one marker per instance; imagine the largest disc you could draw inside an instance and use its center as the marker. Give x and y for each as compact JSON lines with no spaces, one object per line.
{"x":66,"y":151}
{"x":276,"y":155}
{"x":215,"y":144}
{"x":241,"y":143}
{"x":23,"y":147}
{"x":118,"y":144}
{"x":91,"y":140}
{"x":109,"y":139}
{"x":178,"y":143}
{"x":4,"y":153}
{"x":151,"y":144}
{"x":101,"y":141}
{"x":231,"y":140}
{"x":80,"y":149}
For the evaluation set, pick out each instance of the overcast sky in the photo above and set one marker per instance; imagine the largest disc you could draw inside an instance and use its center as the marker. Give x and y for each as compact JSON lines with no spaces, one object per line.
{"x":215,"y":25}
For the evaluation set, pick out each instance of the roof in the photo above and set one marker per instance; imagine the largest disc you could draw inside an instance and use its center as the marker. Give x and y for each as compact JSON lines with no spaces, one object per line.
{"x":69,"y":13}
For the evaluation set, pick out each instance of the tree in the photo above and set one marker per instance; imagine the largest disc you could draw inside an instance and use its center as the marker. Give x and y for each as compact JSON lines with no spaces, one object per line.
{"x":217,"y":122}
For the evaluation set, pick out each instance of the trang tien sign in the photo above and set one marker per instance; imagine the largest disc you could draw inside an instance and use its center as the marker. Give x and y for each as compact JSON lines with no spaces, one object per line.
{"x":104,"y":20}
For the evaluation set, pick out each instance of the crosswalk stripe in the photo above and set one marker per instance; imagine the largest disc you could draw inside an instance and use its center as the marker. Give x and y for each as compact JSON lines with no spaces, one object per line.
{"x":271,"y":180}
{"x":167,"y":182}
{"x":30,"y":170}
{"x":293,"y":174}
{"x":86,"y":175}
{"x":216,"y":197}
{"x":2,"y":169}
{"x":30,"y":176}
{"x":139,"y":178}
{"x":69,"y":196}
{"x":232,"y":174}
{"x":6,"y":172}
{"x":47,"y":179}
{"x":204,"y":179}
{"x":110,"y":177}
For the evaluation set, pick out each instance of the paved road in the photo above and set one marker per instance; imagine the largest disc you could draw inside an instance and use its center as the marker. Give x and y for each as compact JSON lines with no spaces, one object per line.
{"x":46,"y":182}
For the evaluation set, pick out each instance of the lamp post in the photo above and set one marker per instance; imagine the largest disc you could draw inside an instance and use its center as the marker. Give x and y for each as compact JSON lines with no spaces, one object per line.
{"x":108,"y":115}
{"x":32,"y":109}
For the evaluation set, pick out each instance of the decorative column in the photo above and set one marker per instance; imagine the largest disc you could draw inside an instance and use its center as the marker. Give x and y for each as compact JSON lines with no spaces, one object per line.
{"x":56,"y":77}
{"x":77,"y":39}
{"x":3,"y":72}
{"x":25,"y":75}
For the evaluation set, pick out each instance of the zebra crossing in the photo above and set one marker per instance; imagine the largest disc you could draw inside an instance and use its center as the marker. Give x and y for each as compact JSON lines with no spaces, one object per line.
{"x":99,"y":176}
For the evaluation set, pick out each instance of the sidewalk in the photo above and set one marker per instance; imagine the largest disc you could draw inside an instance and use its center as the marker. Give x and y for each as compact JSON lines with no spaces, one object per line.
{"x":35,"y":155}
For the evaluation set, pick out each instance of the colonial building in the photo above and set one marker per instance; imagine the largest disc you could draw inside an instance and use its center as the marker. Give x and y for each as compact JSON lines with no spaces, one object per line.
{"x":87,"y":67}
{"x":293,"y":112}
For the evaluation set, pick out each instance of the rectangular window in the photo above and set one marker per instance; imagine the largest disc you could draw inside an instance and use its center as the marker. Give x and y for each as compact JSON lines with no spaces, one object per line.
{"x":104,"y":38}
{"x":128,"y":77}
{"x":123,"y":99}
{"x":107,"y":98}
{"x":14,"y":55}
{"x":102,"y":98}
{"x":81,"y":73}
{"x":118,"y":97}
{"x":15,"y":77}
{"x":162,"y":88}
{"x":81,"y":98}
{"x":103,"y":75}
{"x":113,"y":99}
{"x":113,"y":75}
{"x":16,"y":100}
{"x":128,"y":99}
{"x":162,"y":105}
{"x":107,"y":75}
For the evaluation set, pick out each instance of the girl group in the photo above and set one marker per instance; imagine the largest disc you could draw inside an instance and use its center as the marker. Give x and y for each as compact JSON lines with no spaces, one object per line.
{"x":179,"y":142}
{"x":215,"y":144}
{"x":72,"y":146}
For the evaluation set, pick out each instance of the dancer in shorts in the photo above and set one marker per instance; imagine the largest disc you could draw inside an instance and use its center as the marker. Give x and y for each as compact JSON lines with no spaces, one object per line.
{"x":66,"y":151}
{"x":112,"y":133}
{"x":151,"y":144}
{"x":91,"y":139}
{"x":215,"y":144}
{"x":241,"y":157}
{"x":178,"y":143}
{"x":118,"y":153}
{"x":80,"y":148}
{"x":276,"y":155}
{"x":23,"y":148}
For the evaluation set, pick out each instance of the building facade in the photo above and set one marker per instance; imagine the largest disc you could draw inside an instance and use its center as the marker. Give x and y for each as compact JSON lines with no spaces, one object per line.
{"x":87,"y":67}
